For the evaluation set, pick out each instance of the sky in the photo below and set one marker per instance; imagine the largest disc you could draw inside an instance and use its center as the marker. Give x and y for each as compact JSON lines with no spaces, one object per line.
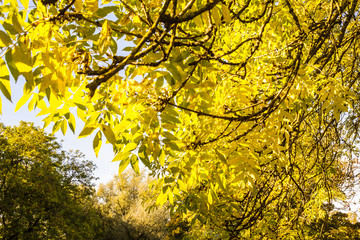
{"x":105,"y":168}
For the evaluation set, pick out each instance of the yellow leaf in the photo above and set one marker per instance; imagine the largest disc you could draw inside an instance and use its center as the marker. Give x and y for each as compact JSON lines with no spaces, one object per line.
{"x":63,"y":126}
{"x":109,"y":134}
{"x":86,"y":131}
{"x":210,"y":198}
{"x":105,"y":37}
{"x":22,"y":59}
{"x":226,"y":13}
{"x":78,"y":5}
{"x":136,"y":19}
{"x":161,"y":199}
{"x":162,"y":157}
{"x":129,"y":147}
{"x":123,"y":164}
{"x":72,"y":122}
{"x":97,"y":143}
{"x":216,"y":16}
{"x":25,"y":97}
{"x":92,"y":5}
{"x":171,"y":197}
{"x":134,"y":161}
{"x":25,"y":3}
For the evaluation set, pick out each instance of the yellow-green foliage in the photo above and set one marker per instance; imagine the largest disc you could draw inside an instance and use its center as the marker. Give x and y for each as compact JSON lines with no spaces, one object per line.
{"x":246,"y":109}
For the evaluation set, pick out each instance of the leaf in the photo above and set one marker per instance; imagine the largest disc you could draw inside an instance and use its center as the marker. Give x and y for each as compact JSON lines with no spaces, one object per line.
{"x":56,"y":127}
{"x":25,"y":97}
{"x":78,"y":5}
{"x":105,"y":38}
{"x":25,"y":3}
{"x":171,"y":197}
{"x":5,"y":80}
{"x":97,"y":143}
{"x":134,"y":161}
{"x":4,"y":72}
{"x":226,"y":13}
{"x":209,"y":198}
{"x":103,"y":2}
{"x":5,"y":40}
{"x":72,"y":122}
{"x":63,"y":126}
{"x":22,"y":60}
{"x":129,"y":147}
{"x":182,"y":185}
{"x":136,"y":19}
{"x":109,"y":134}
{"x":216,"y":16}
{"x":162,"y":157}
{"x":86,"y":131}
{"x":221,"y":156}
{"x":123,"y":164}
{"x":11,"y":65}
{"x":92,"y":5}
{"x":161,"y":199}
{"x":121,"y":156}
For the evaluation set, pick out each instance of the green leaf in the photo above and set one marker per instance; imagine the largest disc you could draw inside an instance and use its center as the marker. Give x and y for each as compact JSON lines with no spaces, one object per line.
{"x":109,"y":134}
{"x":135,"y":163}
{"x":86,"y":131}
{"x":5,"y":40}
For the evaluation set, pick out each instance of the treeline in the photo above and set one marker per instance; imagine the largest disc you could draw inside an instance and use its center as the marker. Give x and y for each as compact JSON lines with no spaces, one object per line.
{"x":48,"y":193}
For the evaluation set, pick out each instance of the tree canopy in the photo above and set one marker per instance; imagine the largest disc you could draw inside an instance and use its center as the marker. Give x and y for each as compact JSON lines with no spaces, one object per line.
{"x":45,"y":193}
{"x":247,"y":110}
{"x":125,"y":203}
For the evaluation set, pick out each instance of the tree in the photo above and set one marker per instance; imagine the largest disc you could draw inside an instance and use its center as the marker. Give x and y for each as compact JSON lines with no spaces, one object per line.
{"x":45,"y":193}
{"x":125,"y":201}
{"x":246,"y":110}
{"x":335,"y":225}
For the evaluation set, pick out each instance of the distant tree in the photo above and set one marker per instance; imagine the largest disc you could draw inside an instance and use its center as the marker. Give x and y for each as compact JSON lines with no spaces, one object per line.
{"x":334,"y":225}
{"x":123,"y":203}
{"x":45,"y":192}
